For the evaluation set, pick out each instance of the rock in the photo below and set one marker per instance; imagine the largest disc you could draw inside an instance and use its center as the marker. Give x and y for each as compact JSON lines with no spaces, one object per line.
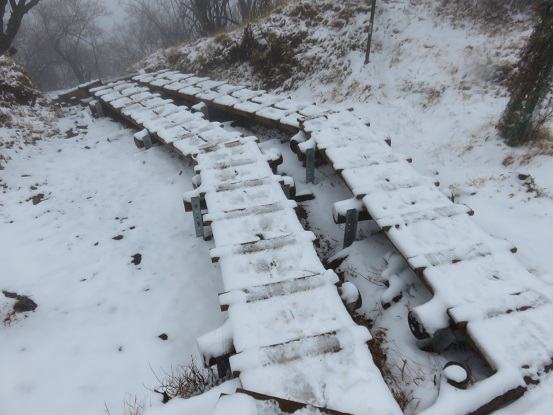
{"x":37,"y":198}
{"x":163,"y":336}
{"x":136,"y":259}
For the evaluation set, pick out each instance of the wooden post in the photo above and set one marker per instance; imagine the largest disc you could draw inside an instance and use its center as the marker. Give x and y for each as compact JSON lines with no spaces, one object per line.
{"x":370,"y":37}
{"x":350,"y":229}
{"x":223,"y":367}
{"x":147,"y":140}
{"x":99,"y":109}
{"x":198,"y":219}
{"x":310,"y":165}
{"x":286,"y":190}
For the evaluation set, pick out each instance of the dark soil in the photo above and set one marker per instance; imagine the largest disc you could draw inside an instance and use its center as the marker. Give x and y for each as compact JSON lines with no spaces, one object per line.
{"x":23,"y":303}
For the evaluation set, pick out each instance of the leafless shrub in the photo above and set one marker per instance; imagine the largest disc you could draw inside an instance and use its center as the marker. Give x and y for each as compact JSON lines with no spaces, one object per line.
{"x":186,"y":381}
{"x":132,"y":406}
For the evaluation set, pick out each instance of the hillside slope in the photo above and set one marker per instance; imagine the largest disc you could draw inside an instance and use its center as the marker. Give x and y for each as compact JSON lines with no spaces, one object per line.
{"x":434,"y":85}
{"x":25,"y":116}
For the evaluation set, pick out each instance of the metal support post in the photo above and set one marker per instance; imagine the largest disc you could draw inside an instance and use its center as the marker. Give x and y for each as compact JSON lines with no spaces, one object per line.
{"x":310,"y":165}
{"x":369,"y":39}
{"x":198,"y":219}
{"x":350,"y":230}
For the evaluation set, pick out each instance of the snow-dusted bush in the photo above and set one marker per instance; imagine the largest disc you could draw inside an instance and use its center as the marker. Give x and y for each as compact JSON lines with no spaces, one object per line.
{"x":15,"y":84}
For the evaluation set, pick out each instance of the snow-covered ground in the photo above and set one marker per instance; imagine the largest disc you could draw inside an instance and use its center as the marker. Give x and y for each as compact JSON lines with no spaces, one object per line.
{"x":92,"y":342}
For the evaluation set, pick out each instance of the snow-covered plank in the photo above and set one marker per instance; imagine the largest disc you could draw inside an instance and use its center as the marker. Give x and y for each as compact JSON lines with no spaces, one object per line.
{"x":211,"y":95}
{"x":346,"y":381}
{"x":292,"y":105}
{"x":247,"y":94}
{"x":256,"y":227}
{"x":253,"y":211}
{"x":476,"y":288}
{"x":434,"y":236}
{"x":346,"y":148}
{"x":276,"y":289}
{"x":209,"y":84}
{"x":185,"y":83}
{"x":526,"y":340}
{"x":406,"y":195}
{"x":218,"y":135}
{"x":406,"y":219}
{"x":179,"y":76}
{"x":149,"y":76}
{"x":273,"y":114}
{"x":218,"y":177}
{"x":285,"y":318}
{"x":163,"y":79}
{"x":264,"y":194}
{"x":120,"y":102}
{"x":452,"y":254}
{"x":266,"y":246}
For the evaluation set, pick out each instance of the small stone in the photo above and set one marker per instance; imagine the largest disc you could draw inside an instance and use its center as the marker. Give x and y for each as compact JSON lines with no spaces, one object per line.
{"x":136,"y":259}
{"x":163,"y":336}
{"x":523,"y":176}
{"x":117,"y":238}
{"x":37,"y":198}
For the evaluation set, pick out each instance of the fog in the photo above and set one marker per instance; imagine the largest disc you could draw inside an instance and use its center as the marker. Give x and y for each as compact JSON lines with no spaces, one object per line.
{"x":69,"y":42}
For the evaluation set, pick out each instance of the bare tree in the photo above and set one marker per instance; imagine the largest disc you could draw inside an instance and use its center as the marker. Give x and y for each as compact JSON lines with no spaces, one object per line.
{"x":11,"y":24}
{"x":155,"y":25}
{"x":62,"y":39}
{"x":250,"y":9}
{"x":209,"y":16}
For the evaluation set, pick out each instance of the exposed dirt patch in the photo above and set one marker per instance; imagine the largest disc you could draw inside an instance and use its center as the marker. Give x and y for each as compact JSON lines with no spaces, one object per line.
{"x":22,"y":305}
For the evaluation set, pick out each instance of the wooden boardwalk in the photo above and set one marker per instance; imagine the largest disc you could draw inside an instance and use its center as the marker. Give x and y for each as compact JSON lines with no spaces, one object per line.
{"x":477,"y":284}
{"x":286,"y":319}
{"x":288,"y":335}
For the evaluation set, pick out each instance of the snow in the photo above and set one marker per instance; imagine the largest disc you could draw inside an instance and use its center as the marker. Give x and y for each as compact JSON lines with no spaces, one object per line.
{"x":455,"y":373}
{"x":93,"y":341}
{"x":438,"y":107}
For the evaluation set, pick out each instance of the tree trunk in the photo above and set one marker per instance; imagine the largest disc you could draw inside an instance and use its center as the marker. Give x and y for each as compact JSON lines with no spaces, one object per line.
{"x":532,"y":83}
{"x":12,"y":28}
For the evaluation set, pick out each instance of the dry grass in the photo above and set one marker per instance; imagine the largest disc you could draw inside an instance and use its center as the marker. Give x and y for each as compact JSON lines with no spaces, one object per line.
{"x":397,"y":376}
{"x":400,"y":373}
{"x":132,"y":406}
{"x":540,"y":144}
